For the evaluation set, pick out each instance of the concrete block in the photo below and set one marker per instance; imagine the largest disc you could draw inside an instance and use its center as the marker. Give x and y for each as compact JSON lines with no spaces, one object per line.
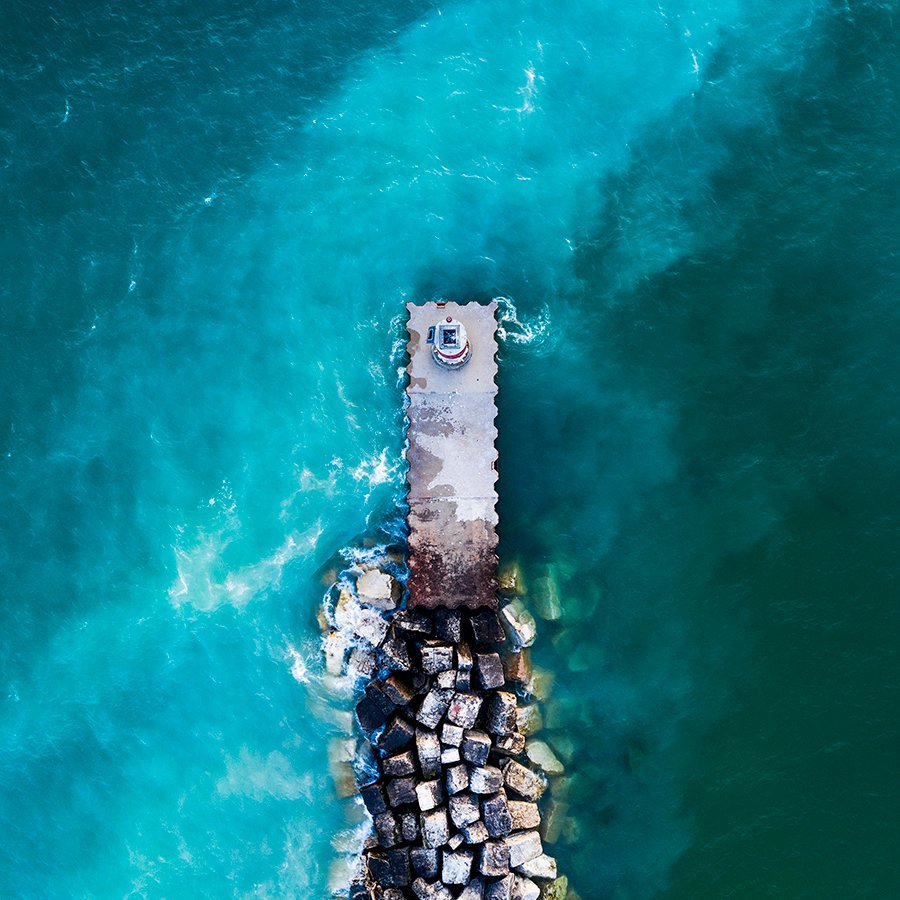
{"x":463,"y":709}
{"x":496,"y":815}
{"x":446,"y":680}
{"x":399,"y":765}
{"x":374,"y":798}
{"x":377,"y":589}
{"x":490,"y":670}
{"x":370,"y":626}
{"x":448,"y":625}
{"x":387,"y":829}
{"x":436,"y":658}
{"x":397,"y":689}
{"x":398,"y":862}
{"x":494,"y":858}
{"x":374,"y":708}
{"x":363,"y":663}
{"x":435,"y":828}
{"x":522,"y":781}
{"x":524,"y":815}
{"x":512,"y":744}
{"x":486,"y":628}
{"x":456,"y":867}
{"x":425,"y":861}
{"x":425,"y":891}
{"x":464,"y":809}
{"x":517,"y":665}
{"x":500,"y":889}
{"x":434,"y":705}
{"x":475,"y":833}
{"x":398,"y":733}
{"x":524,"y":889}
{"x":500,"y":715}
{"x":413,"y":623}
{"x":476,"y":746}
{"x":394,"y":655}
{"x":428,"y":749}
{"x":523,"y":847}
{"x":474,"y":890}
{"x":519,"y":624}
{"x":542,"y":867}
{"x":485,"y":779}
{"x":429,"y":794}
{"x":409,"y":827}
{"x":450,"y":756}
{"x":540,"y":754}
{"x":401,"y":791}
{"x":451,"y":735}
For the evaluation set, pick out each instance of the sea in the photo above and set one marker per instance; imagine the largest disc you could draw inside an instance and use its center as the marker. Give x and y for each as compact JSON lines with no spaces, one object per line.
{"x":212,"y":216}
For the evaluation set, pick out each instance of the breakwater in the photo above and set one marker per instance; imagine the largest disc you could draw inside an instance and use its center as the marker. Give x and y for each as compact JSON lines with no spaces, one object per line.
{"x":461,"y":795}
{"x":447,"y":768}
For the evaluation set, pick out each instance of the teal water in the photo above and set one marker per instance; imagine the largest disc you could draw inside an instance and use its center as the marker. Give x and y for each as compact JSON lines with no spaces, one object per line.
{"x":212,"y":217}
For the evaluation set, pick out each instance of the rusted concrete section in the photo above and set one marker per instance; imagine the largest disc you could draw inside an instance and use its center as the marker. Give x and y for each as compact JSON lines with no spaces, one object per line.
{"x":452,"y":462}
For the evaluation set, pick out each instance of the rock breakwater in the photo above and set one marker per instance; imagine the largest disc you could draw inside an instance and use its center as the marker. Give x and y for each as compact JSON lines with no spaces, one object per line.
{"x":446,"y":765}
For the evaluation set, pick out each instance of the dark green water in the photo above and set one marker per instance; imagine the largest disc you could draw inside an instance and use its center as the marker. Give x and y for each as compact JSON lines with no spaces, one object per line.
{"x":211,"y":221}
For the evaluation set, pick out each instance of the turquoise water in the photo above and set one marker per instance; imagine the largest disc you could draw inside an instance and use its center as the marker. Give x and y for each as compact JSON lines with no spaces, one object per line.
{"x":212,"y":217}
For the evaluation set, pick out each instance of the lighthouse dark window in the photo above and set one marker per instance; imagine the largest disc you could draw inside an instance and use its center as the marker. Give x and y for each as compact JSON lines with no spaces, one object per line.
{"x":449,"y":337}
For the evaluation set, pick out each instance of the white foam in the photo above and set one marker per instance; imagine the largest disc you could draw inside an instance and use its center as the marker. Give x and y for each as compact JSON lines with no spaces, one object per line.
{"x":197,"y":583}
{"x":261,"y":777}
{"x":375,"y":470}
{"x":533,"y":331}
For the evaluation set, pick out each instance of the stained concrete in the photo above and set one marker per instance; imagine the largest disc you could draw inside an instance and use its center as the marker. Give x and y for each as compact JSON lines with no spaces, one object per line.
{"x":452,"y":462}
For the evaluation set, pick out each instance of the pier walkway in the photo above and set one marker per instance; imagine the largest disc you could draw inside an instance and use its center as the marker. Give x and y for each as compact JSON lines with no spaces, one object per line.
{"x":452,"y":462}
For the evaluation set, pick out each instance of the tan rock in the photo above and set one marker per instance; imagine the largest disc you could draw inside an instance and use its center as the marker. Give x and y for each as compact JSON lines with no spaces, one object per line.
{"x":523,"y":847}
{"x":544,"y":758}
{"x":522,"y":781}
{"x":524,"y":815}
{"x":542,"y":868}
{"x":377,"y":589}
{"x":524,"y":889}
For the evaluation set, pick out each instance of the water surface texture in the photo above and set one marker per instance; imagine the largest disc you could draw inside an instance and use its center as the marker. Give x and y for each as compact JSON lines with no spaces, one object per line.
{"x":212,"y":216}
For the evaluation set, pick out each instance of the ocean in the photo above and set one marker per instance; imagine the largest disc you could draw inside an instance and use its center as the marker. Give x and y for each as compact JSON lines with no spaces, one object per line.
{"x":212,"y":217}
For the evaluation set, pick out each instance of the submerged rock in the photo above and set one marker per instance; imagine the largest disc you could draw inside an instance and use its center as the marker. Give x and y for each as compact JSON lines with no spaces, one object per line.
{"x":558,"y":889}
{"x":545,"y":597}
{"x":544,"y":758}
{"x":510,"y":581}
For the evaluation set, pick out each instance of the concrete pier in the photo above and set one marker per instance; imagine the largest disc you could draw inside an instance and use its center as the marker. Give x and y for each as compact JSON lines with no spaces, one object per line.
{"x":446,"y":696}
{"x":452,"y":462}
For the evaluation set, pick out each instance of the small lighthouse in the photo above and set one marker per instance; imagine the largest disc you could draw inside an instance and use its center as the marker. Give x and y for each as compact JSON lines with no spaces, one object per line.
{"x":449,"y":343}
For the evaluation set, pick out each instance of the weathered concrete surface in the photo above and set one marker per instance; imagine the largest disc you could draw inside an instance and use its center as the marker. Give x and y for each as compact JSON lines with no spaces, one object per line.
{"x":452,"y":462}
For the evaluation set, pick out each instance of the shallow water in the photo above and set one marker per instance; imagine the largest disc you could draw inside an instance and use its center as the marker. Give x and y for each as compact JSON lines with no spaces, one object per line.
{"x":212,"y":219}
